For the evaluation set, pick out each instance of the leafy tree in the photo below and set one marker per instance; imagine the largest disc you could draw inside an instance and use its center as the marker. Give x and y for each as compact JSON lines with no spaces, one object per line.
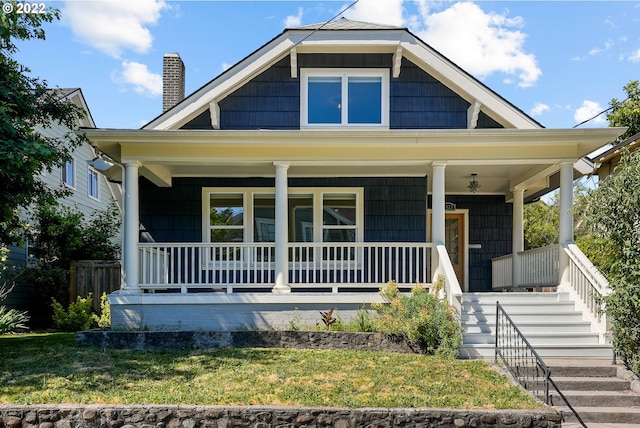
{"x":614,"y":215}
{"x":26,"y":105}
{"x":626,"y":112}
{"x":541,"y":222}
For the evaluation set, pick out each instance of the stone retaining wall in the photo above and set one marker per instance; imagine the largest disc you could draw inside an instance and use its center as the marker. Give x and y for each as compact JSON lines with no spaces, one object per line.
{"x":90,"y":416}
{"x":220,"y":339}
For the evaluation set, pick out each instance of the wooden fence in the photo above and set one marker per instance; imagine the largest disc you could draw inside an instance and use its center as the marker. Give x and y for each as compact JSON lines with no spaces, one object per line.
{"x":94,"y":276}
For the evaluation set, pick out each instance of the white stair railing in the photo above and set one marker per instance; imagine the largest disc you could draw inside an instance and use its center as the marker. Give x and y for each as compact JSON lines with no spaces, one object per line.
{"x":587,"y":286}
{"x":452,"y":288}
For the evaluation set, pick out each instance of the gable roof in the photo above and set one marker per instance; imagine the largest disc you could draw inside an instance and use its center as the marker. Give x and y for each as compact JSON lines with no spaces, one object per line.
{"x":76,"y":96}
{"x":345,"y":36}
{"x":347,"y":24}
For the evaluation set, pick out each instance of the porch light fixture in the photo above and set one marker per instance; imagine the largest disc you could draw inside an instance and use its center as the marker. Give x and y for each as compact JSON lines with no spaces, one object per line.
{"x":473,"y":184}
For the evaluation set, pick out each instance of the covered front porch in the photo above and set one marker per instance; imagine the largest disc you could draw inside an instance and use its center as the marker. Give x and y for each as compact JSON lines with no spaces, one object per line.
{"x":336,"y":217}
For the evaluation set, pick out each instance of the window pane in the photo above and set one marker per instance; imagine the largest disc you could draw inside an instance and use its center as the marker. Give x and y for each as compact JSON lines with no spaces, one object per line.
{"x":325,"y":100}
{"x":339,"y":235}
{"x":451,"y":239}
{"x":302,"y":208}
{"x":68,"y":174}
{"x":339,"y":210}
{"x":227,"y":210}
{"x":264,"y":218}
{"x":227,"y":235}
{"x":365,"y":98}
{"x":93,"y":183}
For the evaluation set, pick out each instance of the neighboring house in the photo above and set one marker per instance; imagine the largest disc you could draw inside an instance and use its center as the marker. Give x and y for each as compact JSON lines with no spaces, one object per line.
{"x":90,"y":190}
{"x":606,"y":162}
{"x":329,"y":161}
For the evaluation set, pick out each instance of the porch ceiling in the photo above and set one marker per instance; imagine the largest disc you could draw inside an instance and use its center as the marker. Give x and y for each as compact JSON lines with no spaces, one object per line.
{"x":502,"y":158}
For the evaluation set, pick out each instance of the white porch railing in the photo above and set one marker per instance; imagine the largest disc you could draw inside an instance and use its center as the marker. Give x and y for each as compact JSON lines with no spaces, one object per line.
{"x":587,"y":286}
{"x":192,"y":267}
{"x":540,"y":267}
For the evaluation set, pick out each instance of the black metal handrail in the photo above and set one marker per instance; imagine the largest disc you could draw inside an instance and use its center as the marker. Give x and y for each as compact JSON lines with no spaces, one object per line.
{"x":522,"y":360}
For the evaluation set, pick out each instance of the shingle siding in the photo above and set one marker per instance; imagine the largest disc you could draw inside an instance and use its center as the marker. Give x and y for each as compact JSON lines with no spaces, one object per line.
{"x":419,"y":101}
{"x":271,"y":100}
{"x":395,"y":208}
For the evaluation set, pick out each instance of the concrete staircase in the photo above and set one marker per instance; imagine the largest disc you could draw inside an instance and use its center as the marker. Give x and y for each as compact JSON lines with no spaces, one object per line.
{"x":597,"y":392}
{"x":549,"y":321}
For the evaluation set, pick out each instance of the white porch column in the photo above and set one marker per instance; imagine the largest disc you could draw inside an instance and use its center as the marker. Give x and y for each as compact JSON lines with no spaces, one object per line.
{"x":437,"y":212}
{"x":131,"y":228}
{"x":517,"y":238}
{"x":565,"y":235}
{"x":282,"y":229}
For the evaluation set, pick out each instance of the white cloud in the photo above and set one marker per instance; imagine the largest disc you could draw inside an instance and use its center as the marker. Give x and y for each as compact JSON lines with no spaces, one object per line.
{"x":388,"y":12}
{"x":538,"y":109}
{"x":113,"y":26}
{"x":607,"y":45}
{"x":588,"y":110}
{"x":142,"y":80}
{"x":634,"y":57}
{"x":294,"y":20}
{"x":481,"y":43}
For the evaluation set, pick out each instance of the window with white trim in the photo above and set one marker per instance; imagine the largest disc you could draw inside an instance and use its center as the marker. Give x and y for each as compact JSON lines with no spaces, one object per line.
{"x":344,"y":97}
{"x":92,"y":183}
{"x":315,"y":215}
{"x":69,"y":174}
{"x":226,"y":217}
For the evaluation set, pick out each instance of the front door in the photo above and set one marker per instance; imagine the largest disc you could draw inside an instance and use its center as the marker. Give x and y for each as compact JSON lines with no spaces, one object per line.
{"x":454,"y":242}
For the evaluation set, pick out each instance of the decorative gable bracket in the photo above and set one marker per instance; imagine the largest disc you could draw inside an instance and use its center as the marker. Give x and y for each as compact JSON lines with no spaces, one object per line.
{"x":214,"y":111}
{"x":397,"y":62}
{"x":294,"y":63}
{"x":472,"y":114}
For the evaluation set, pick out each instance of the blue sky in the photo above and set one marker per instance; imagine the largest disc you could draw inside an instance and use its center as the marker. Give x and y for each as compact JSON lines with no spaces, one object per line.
{"x":559,"y":61}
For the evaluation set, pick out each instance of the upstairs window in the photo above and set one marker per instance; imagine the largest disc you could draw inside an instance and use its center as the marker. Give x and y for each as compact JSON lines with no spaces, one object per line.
{"x":69,"y":174}
{"x":92,"y":183}
{"x":344,"y":97}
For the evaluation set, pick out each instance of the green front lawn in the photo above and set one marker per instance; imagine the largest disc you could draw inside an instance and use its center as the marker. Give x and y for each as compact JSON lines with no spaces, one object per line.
{"x":50,"y":368}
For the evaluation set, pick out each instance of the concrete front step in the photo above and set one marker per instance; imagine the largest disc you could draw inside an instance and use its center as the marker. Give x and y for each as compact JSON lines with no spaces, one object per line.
{"x":596,"y":398}
{"x":524,"y":307}
{"x":609,"y":415}
{"x":549,"y":321}
{"x":591,"y":383}
{"x":598,"y":425}
{"x":599,"y":352}
{"x":540,"y":338}
{"x":505,"y":298}
{"x":532,"y":327}
{"x":587,"y":369}
{"x":599,"y":396}
{"x":480,"y":317}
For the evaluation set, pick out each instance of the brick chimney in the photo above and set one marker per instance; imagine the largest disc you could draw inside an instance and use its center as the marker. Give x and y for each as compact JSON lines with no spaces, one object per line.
{"x":172,"y":80}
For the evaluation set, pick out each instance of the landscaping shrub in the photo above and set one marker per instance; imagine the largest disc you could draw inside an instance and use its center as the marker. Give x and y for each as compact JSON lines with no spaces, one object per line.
{"x":104,"y":319}
{"x":426,"y":323}
{"x":79,"y":315}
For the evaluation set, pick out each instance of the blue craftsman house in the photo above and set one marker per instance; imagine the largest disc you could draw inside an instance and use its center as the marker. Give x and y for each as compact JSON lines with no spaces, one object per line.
{"x":329,"y":161}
